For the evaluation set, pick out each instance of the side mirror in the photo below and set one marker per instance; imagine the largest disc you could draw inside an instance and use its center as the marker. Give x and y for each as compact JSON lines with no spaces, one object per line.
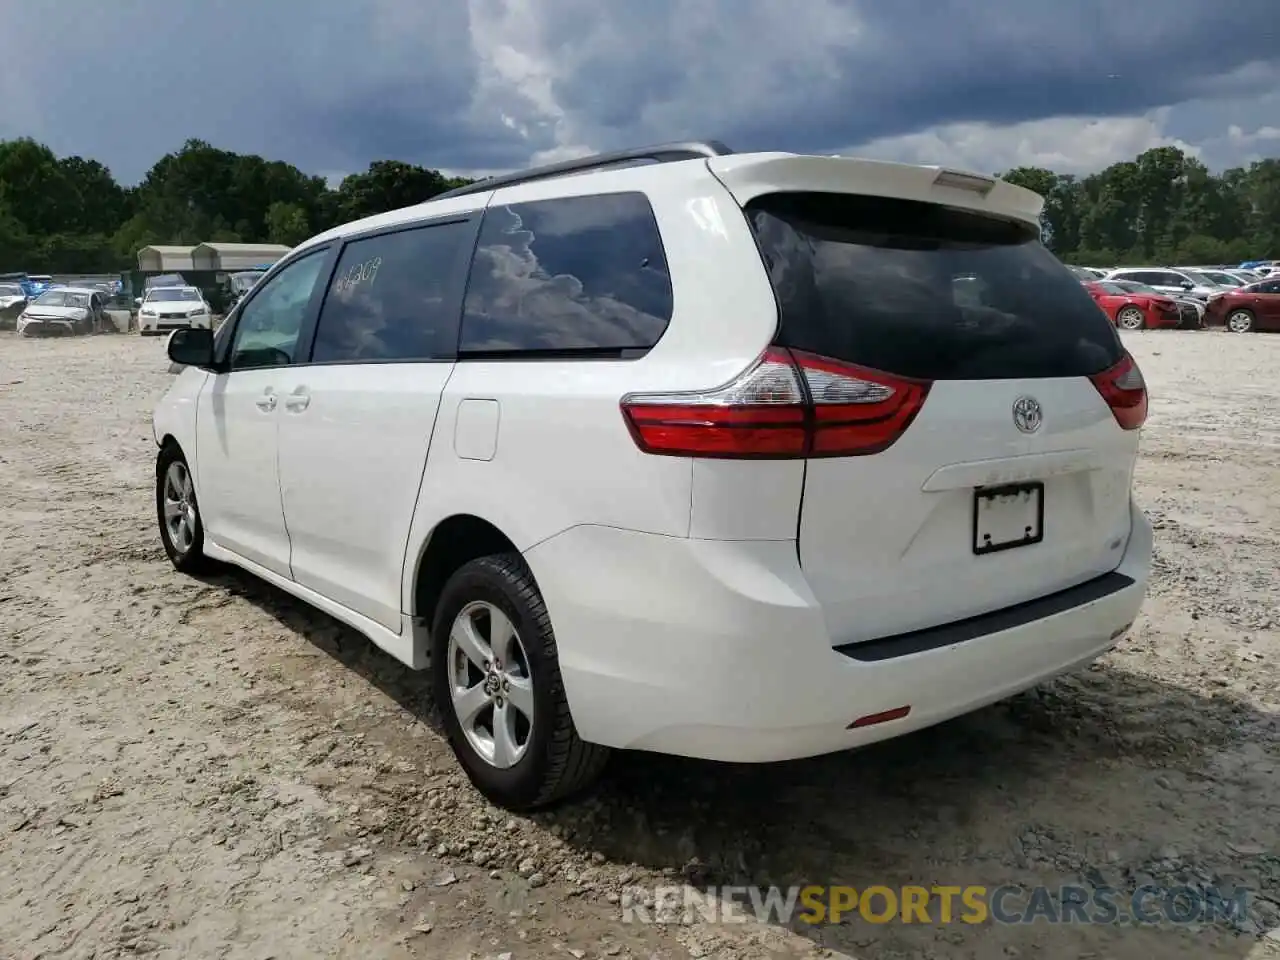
{"x":191,"y":346}
{"x":137,"y":301}
{"x":1187,"y":285}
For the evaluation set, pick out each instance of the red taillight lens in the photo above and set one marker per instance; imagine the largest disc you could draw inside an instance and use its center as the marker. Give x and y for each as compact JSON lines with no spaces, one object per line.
{"x":1125,"y":391}
{"x":790,"y":404}
{"x":857,"y":411}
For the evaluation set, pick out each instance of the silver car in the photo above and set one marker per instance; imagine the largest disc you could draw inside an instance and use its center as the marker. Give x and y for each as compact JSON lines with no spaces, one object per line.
{"x":1172,"y":281}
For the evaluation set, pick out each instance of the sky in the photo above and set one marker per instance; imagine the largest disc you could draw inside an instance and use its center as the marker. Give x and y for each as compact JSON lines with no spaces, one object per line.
{"x":482,"y":86}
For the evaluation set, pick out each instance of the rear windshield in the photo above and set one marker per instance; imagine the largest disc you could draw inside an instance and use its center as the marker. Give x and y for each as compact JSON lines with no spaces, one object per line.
{"x":926,"y":291}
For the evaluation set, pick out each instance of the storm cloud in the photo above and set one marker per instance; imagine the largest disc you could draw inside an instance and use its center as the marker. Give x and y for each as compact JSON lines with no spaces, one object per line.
{"x":483,"y":85}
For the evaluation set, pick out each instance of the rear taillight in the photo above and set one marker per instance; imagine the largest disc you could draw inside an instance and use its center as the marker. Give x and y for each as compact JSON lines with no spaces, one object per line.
{"x":1125,"y":391}
{"x":789,"y":404}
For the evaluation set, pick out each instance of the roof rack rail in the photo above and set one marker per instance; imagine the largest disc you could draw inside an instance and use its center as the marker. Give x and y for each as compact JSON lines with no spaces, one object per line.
{"x":660,"y":153}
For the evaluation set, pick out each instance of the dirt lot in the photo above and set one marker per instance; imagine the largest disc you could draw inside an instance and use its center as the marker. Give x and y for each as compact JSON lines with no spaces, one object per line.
{"x":208,"y":769}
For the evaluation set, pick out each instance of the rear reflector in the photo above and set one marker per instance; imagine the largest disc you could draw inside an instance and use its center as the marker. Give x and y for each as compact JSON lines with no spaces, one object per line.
{"x":789,"y":404}
{"x":871,"y":719}
{"x":1125,"y":391}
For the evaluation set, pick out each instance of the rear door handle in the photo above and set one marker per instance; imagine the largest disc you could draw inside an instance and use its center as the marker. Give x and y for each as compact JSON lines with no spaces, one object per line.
{"x":267,"y":402}
{"x":298,"y":401}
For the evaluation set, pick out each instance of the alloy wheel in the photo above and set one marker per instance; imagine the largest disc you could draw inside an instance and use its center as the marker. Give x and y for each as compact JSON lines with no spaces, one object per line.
{"x":490,"y":685}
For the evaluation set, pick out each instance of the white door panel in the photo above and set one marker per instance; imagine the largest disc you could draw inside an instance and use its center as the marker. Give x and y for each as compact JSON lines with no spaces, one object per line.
{"x":353,"y":443}
{"x":239,"y":483}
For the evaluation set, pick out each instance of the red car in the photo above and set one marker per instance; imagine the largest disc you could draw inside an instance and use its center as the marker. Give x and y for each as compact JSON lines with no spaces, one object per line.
{"x":1134,"y":311}
{"x":1255,"y":307}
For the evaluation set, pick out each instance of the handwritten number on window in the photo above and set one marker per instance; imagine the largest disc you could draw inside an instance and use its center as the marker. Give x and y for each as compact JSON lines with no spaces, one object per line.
{"x":357,"y":274}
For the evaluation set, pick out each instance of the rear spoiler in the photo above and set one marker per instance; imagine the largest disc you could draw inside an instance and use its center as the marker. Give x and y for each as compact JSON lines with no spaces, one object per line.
{"x":748,"y":176}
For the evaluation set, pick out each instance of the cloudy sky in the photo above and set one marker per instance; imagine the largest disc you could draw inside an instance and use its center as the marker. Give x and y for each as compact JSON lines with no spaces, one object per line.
{"x":489,"y":85}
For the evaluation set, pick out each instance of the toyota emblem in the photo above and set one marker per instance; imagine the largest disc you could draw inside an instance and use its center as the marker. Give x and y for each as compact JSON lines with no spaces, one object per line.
{"x":1027,"y":415}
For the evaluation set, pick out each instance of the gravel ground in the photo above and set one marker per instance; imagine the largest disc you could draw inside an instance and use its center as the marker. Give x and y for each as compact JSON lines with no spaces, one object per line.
{"x":209,"y":769}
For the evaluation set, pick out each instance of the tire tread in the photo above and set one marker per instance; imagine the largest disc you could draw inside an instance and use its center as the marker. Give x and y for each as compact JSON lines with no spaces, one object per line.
{"x":572,"y":763}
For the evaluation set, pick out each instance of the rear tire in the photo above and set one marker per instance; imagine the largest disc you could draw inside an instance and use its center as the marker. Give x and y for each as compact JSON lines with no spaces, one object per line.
{"x":549,"y":762}
{"x":1130,"y":318}
{"x":1240,"y":321}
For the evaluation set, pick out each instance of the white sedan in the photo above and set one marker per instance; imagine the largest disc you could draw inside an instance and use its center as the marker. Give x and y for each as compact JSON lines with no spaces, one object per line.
{"x":62,"y":311}
{"x":165,"y":309}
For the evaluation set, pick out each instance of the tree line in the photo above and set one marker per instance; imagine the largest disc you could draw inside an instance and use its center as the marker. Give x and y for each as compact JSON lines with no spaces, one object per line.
{"x":70,"y":215}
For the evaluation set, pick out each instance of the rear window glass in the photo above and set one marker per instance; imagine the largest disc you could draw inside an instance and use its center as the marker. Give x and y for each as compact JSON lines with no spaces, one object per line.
{"x":926,"y":291}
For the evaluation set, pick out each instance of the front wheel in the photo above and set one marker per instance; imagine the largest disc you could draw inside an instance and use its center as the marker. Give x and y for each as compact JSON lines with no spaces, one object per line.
{"x":1130,"y":318}
{"x":178,"y":513}
{"x":496,"y":678}
{"x":1240,"y":321}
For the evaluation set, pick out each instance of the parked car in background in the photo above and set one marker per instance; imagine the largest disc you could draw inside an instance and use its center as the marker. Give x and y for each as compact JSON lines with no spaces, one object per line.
{"x":161,"y":280}
{"x":240,"y":283}
{"x":1222,"y":277}
{"x":1190,"y":311}
{"x":12,"y":302}
{"x":1083,"y":274}
{"x":38,"y":283}
{"x":853,"y":462}
{"x":1169,"y":280}
{"x":61,"y":312}
{"x":102,"y":286}
{"x":1135,"y":310}
{"x":31,"y":287}
{"x":164,"y":309}
{"x":1255,"y":307}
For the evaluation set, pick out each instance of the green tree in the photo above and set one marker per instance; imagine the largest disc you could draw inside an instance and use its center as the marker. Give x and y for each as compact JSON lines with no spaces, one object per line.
{"x":287,"y":224}
{"x":70,"y":214}
{"x":388,"y":185}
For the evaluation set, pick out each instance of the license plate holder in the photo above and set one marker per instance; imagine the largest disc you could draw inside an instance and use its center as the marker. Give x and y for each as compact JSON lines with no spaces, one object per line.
{"x":1007,"y":517}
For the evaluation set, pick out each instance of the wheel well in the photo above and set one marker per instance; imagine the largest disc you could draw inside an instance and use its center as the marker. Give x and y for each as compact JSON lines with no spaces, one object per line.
{"x":454,"y":542}
{"x":166,"y":442}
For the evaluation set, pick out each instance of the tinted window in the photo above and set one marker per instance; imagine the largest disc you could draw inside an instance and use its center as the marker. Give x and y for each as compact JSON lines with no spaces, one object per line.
{"x":267,"y":331}
{"x":1267,"y":286}
{"x":926,"y":291}
{"x":572,"y":275}
{"x":395,"y":296}
{"x":1225,"y":279}
{"x":171,"y":294}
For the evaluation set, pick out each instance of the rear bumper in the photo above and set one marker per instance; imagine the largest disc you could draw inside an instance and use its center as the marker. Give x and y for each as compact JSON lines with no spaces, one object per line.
{"x":718,"y":650}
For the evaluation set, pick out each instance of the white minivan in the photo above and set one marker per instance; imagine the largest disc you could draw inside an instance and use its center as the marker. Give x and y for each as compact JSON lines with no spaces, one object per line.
{"x":744,"y":457}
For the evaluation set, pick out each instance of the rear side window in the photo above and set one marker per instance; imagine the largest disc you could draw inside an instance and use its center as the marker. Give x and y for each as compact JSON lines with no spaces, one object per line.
{"x":394,"y":296}
{"x":926,"y":291}
{"x":575,"y":276}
